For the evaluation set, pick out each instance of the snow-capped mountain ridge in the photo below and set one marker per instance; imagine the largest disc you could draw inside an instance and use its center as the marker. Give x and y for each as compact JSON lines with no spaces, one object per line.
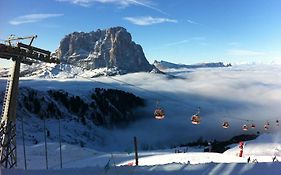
{"x":163,"y":65}
{"x":64,"y":70}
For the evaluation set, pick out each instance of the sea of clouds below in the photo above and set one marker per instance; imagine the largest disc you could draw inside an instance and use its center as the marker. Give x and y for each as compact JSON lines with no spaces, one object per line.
{"x":248,"y":92}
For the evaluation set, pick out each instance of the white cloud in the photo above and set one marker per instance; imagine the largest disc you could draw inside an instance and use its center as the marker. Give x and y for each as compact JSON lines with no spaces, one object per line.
{"x":121,"y":3}
{"x":84,"y":3}
{"x":178,"y":42}
{"x":32,"y":18}
{"x":146,"y":4}
{"x":244,"y":52}
{"x":191,"y":21}
{"x":124,"y":3}
{"x":148,"y":20}
{"x":199,"y":38}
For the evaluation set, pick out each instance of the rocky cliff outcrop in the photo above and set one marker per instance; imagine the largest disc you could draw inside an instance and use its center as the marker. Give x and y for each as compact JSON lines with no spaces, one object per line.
{"x":110,"y":48}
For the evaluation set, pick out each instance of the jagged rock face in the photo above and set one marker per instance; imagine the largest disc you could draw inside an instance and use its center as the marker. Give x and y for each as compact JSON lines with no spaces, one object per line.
{"x":112,"y":47}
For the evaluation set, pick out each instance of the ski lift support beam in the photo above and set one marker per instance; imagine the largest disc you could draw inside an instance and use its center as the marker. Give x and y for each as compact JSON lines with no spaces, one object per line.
{"x":19,"y":53}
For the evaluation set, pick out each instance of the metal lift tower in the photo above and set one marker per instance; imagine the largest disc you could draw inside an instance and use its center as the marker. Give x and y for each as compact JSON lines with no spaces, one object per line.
{"x":19,"y":53}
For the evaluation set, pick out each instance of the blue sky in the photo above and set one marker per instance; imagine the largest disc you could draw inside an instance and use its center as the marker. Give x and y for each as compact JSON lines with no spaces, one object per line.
{"x":179,"y":31}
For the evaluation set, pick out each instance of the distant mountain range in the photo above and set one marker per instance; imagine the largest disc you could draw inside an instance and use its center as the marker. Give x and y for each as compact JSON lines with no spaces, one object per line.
{"x":46,"y":70}
{"x":162,"y":65}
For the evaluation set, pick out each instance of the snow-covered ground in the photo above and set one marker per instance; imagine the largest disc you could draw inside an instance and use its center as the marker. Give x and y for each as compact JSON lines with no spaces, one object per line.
{"x":263,"y":149}
{"x":85,"y":161}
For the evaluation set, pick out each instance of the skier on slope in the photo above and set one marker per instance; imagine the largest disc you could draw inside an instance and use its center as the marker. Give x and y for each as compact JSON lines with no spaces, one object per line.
{"x":274,"y":159}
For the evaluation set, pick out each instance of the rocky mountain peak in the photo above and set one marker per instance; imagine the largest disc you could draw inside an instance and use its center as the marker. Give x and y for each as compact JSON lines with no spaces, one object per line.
{"x":109,"y":48}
